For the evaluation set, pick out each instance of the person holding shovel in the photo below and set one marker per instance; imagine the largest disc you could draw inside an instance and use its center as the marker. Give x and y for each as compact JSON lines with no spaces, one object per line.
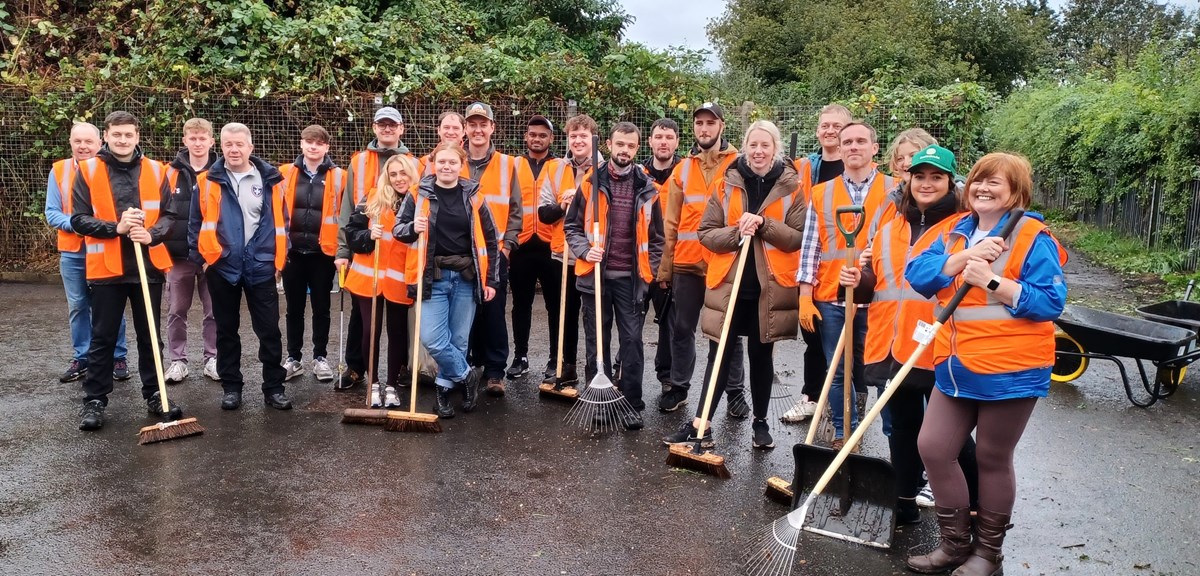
{"x":993,"y":362}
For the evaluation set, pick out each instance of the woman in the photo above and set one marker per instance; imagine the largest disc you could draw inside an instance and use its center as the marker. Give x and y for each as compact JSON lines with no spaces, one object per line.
{"x":900,"y":152}
{"x":458,"y":240}
{"x":923,"y":212}
{"x":992,"y":360}
{"x":763,"y":200}
{"x":372,"y":221}
{"x":451,"y":128}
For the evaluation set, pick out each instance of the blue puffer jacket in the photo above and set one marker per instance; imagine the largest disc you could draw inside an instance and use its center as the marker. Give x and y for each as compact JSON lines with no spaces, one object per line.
{"x":253,"y":262}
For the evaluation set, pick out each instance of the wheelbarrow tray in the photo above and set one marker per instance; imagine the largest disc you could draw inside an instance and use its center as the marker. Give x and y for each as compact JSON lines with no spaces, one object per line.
{"x":1181,"y":313}
{"x":1101,"y":332}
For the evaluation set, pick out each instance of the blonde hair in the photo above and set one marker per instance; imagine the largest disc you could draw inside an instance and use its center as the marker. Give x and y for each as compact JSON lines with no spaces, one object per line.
{"x":772,"y":130}
{"x":386,"y":197}
{"x":915,"y":136}
{"x":198,"y":125}
{"x":1012,"y":167}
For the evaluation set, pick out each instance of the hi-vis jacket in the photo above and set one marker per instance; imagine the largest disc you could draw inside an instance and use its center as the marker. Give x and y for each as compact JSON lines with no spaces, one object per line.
{"x":560,"y":175}
{"x":693,"y":181}
{"x":826,"y":198}
{"x":335,"y":182}
{"x":58,"y":215}
{"x":531,"y":187}
{"x":362,"y":174}
{"x":216,"y":228}
{"x":393,"y":257}
{"x":501,"y":191}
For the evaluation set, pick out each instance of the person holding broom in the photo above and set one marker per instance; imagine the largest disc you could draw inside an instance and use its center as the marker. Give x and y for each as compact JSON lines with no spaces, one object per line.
{"x":993,"y":362}
{"x":461,"y":242}
{"x":762,"y":202}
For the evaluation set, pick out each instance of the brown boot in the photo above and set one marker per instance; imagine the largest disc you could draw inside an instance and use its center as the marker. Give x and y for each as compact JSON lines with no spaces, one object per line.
{"x":954,"y":525}
{"x":986,"y":558}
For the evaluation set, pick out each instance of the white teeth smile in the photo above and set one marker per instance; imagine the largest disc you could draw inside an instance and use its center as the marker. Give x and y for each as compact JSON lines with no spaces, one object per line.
{"x":984,"y":197}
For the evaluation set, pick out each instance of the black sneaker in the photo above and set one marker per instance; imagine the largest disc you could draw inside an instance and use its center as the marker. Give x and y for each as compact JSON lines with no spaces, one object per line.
{"x":350,"y":379}
{"x":470,"y":390}
{"x":672,"y":399}
{"x":443,"y":407}
{"x":77,"y":370}
{"x":569,"y":378}
{"x":120,"y":370}
{"x":519,"y":368}
{"x":907,"y":512}
{"x":91,"y":416}
{"x":762,"y":435}
{"x":687,"y":433}
{"x":550,"y":373}
{"x":154,"y":407}
{"x":633,"y":421}
{"x":737,"y":407}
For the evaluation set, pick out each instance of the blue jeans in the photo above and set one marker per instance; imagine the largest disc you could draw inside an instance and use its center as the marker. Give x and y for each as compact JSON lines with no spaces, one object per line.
{"x":446,"y":319}
{"x":833,"y":318}
{"x":73,"y":269}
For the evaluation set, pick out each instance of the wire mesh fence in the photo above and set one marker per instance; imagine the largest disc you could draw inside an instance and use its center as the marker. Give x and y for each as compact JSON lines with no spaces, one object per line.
{"x":37,"y":126}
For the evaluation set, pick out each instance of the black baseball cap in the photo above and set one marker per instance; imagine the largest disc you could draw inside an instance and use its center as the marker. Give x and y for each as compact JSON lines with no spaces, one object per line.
{"x":715,"y":109}
{"x":539,"y":120}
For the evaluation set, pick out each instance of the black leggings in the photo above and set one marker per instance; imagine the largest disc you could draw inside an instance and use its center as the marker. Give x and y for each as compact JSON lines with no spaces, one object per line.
{"x":399,"y":350}
{"x":998,"y":427}
{"x":760,"y":354}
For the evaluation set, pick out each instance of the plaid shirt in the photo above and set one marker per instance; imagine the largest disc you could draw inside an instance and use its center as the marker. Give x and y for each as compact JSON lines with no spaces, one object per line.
{"x":810,"y":248}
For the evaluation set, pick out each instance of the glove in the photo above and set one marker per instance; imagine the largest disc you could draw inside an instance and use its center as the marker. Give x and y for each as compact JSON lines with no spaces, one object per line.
{"x":808,"y":311}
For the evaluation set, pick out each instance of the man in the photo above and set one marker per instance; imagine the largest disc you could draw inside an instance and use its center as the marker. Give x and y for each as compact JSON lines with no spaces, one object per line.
{"x":185,"y":278}
{"x":85,"y":142}
{"x":312,"y":186}
{"x":361,"y":176}
{"x":683,"y":266}
{"x":821,"y":166}
{"x":450,"y":129}
{"x":630,"y":224}
{"x":238,"y":233}
{"x":118,"y":201}
{"x":664,"y":142}
{"x":497,"y":177}
{"x":554,"y":197}
{"x":531,"y":261}
{"x":824,"y":252}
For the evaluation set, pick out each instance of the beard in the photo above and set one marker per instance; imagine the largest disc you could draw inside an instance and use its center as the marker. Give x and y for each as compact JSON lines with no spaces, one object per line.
{"x":622,"y":161}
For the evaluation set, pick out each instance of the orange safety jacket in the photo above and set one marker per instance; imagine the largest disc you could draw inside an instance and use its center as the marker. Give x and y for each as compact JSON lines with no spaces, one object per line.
{"x":416,"y":253}
{"x":562,"y":177}
{"x":781,"y":265}
{"x":982,"y":333}
{"x":365,"y":164}
{"x":104,"y":255}
{"x":826,"y":198}
{"x":393,"y":263}
{"x":689,"y":177}
{"x":495,"y":184}
{"x":641,"y":235}
{"x":64,"y":175}
{"x":530,"y":189}
{"x":209,"y":243}
{"x":335,"y":179}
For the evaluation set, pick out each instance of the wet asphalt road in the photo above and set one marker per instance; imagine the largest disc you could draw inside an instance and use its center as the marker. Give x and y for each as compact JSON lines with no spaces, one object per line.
{"x":1104,"y":487}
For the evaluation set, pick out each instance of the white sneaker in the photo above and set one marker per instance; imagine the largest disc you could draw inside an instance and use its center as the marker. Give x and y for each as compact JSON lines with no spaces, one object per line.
{"x":293,"y":368}
{"x":177,"y":372}
{"x":390,"y":399}
{"x":210,"y":370}
{"x":925,"y":497}
{"x":375,"y":401}
{"x":322,"y":370}
{"x":802,"y":411}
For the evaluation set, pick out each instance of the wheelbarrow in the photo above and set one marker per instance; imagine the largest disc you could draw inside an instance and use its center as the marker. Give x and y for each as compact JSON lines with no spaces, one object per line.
{"x":1182,"y":313}
{"x":1085,"y":334}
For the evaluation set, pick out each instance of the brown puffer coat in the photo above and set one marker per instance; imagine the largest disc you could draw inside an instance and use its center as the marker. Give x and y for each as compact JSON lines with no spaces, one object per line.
{"x":778,"y":308}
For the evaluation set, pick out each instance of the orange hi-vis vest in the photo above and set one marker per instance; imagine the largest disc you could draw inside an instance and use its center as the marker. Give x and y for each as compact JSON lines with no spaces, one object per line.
{"x":696,"y":192}
{"x":365,"y":164}
{"x":897,"y":308}
{"x":982,"y":333}
{"x":782,"y":265}
{"x":104,"y":255}
{"x":335,"y":179}
{"x":530,"y":189}
{"x":641,"y":235}
{"x":495,"y":184}
{"x":826,"y":198}
{"x":209,"y":243}
{"x":64,"y":176}
{"x":393,"y":265}
{"x":562,"y":178}
{"x":417,"y":252}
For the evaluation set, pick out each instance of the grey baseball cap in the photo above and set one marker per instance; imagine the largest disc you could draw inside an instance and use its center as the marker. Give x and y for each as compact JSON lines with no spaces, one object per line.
{"x":388,"y":113}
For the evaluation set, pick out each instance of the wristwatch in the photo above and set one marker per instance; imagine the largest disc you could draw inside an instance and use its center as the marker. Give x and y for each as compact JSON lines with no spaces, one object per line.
{"x":993,"y":284}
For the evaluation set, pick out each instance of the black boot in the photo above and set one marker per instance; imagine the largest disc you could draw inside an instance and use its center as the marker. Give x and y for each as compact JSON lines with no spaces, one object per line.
{"x":986,"y":559}
{"x":470,"y":391}
{"x":444,"y":409}
{"x":907,"y":512}
{"x":954,"y":524}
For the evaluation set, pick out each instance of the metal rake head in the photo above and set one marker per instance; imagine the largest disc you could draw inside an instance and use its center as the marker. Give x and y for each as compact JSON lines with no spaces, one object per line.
{"x":600,"y":409}
{"x":783,"y":397}
{"x":772,"y":550}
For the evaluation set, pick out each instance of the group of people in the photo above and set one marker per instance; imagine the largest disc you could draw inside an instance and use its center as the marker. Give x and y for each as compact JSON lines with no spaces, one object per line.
{"x":459,"y":227}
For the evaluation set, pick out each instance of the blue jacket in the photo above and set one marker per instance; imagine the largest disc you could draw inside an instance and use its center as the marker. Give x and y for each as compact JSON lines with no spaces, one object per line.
{"x":1043,"y":296}
{"x":253,"y":262}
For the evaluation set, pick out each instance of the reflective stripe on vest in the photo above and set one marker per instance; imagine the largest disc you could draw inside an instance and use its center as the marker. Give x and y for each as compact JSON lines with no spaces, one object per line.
{"x":103,"y":256}
{"x":209,"y":242}
{"x":497,"y":191}
{"x":827,"y":197}
{"x":64,"y":176}
{"x":696,"y":193}
{"x":557,"y":237}
{"x":781,"y":266}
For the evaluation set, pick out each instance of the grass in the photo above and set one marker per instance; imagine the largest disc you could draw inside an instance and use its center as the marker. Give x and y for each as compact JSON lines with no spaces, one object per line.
{"x":1126,"y":255}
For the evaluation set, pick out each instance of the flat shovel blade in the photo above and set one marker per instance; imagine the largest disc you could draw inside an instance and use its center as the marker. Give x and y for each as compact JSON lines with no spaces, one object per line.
{"x":859,"y":503}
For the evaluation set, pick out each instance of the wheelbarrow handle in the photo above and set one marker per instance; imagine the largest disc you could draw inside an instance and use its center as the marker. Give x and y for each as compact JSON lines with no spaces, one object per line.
{"x":849,"y":233}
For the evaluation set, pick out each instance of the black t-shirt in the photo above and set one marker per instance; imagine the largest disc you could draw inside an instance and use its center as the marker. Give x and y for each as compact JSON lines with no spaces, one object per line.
{"x":829,"y":170}
{"x":453,"y":226}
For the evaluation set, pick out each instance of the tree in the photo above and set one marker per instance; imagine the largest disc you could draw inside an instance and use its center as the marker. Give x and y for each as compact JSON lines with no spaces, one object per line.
{"x":1101,"y":35}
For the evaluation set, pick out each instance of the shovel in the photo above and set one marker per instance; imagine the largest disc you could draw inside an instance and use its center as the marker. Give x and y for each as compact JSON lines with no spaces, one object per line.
{"x":848,"y":324}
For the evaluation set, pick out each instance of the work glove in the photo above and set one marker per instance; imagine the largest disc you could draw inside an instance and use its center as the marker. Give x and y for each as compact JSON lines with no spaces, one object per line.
{"x":808,"y":311}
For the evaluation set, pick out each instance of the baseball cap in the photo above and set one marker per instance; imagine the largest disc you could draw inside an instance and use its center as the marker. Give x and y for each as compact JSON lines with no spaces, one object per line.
{"x":479,"y":109}
{"x":715,"y":109}
{"x":388,"y":113}
{"x":539,"y":120}
{"x":935,"y":156}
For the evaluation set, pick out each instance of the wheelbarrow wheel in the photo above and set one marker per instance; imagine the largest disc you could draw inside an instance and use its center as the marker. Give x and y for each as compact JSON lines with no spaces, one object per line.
{"x":1170,"y":378}
{"x":1067,"y":367}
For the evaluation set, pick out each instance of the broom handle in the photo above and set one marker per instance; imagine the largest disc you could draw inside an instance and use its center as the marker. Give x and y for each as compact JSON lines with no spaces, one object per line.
{"x":158,"y":369}
{"x":562,"y":313}
{"x":599,"y":313}
{"x":416,"y":353}
{"x":725,"y":324}
{"x":374,"y":302}
{"x":341,"y":274}
{"x":824,"y":398}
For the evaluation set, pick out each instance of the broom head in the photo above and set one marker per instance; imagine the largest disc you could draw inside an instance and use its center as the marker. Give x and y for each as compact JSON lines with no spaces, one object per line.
{"x":779,"y":490}
{"x":411,"y":422}
{"x":172,"y":430}
{"x":554,"y":390}
{"x":689,"y":455}
{"x":366,"y":416}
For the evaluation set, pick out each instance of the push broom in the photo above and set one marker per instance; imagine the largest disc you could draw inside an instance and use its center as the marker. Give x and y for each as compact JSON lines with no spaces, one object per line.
{"x":692,"y":455}
{"x":411,"y":420}
{"x":370,"y":416}
{"x":173,"y":429}
{"x":774,"y":547}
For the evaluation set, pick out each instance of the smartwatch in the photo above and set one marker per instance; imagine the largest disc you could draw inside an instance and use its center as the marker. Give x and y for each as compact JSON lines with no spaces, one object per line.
{"x":993,"y":284}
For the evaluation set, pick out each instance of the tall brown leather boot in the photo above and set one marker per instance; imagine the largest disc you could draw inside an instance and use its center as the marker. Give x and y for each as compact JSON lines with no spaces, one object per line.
{"x":986,"y":559}
{"x":954,"y":525}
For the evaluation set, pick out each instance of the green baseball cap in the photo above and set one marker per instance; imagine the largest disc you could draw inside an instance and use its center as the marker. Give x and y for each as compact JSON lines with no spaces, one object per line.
{"x":935,"y":156}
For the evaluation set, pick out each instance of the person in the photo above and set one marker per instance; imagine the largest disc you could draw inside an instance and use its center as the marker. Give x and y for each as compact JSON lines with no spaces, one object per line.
{"x":992,"y":360}
{"x":664,"y":143}
{"x":451,"y":128}
{"x":72,"y":266}
{"x":628,"y":252}
{"x":118,"y":199}
{"x":683,"y":266}
{"x":497,"y":177}
{"x":759,"y":201}
{"x":238,"y":233}
{"x":531,"y":262}
{"x":900,"y":152}
{"x":362,"y":173}
{"x":372,"y":225}
{"x":923,"y":212}
{"x":554,"y":198}
{"x":820,"y":166}
{"x":450,"y":218}
{"x":185,"y":278}
{"x":824,"y":254}
{"x":313,"y":184}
